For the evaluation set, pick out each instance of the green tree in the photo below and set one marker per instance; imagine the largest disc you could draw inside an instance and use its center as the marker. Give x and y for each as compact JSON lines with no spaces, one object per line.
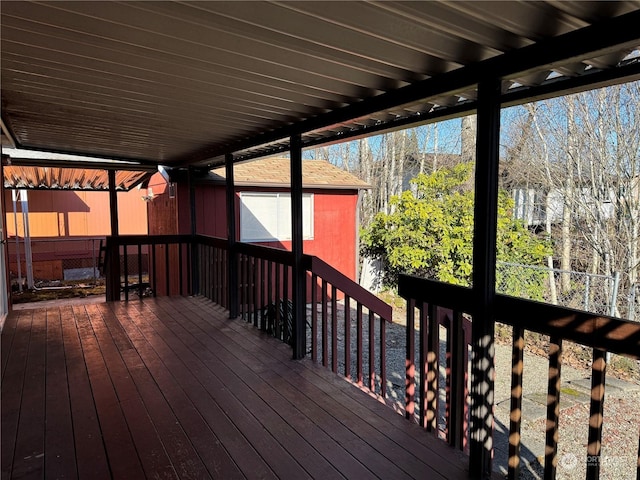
{"x":430,"y":233}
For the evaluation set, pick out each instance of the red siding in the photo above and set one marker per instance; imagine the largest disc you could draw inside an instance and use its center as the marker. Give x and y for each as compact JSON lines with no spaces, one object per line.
{"x":211,"y":211}
{"x":335,"y":224}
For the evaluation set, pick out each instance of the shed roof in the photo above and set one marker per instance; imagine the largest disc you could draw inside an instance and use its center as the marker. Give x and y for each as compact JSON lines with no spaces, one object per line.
{"x":276,"y":172}
{"x":56,"y":178}
{"x":178,"y":83}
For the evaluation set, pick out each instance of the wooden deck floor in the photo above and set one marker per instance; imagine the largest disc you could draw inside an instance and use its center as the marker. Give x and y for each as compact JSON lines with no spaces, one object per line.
{"x":170,"y":388}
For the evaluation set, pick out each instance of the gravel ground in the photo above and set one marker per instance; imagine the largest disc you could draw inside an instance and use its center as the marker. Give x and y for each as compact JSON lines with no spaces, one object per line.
{"x":622,"y":409}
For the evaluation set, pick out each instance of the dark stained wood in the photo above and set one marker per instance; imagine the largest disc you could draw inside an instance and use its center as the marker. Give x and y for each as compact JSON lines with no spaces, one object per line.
{"x":334,"y":329}
{"x":171,"y":388}
{"x":28,"y":461}
{"x":60,"y":455}
{"x":91,"y":455}
{"x":553,"y":409}
{"x":373,"y":414}
{"x":433,"y":369}
{"x":12,"y":384}
{"x":347,"y":337}
{"x":410,"y":366}
{"x":515,"y":420}
{"x":596,"y":412}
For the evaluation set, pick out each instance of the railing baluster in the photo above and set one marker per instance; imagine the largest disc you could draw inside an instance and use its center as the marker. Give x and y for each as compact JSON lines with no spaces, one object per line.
{"x":180,"y":273}
{"x":251,"y":308}
{"x":240,"y":285}
{"x":166,"y":269}
{"x":553,"y":409}
{"x":314,"y":318}
{"x":155,"y":270}
{"x":383,"y":357}
{"x":458,"y":350}
{"x":243,"y":286}
{"x":263,"y":293}
{"x":256,"y":290}
{"x":215,"y":289}
{"x":277,"y":300}
{"x":347,"y":337}
{"x":372,"y":353}
{"x":226,"y":280}
{"x":410,"y":367}
{"x":190,"y":287}
{"x":140,"y":270}
{"x":359,"y":342}
{"x":268,"y":326}
{"x":222,"y":278}
{"x":325,"y":334}
{"x":204,"y":267}
{"x":433,"y":370}
{"x":517,"y":369}
{"x":598,"y":377}
{"x":448,"y":382}
{"x":334,"y":329}
{"x":286,"y":330}
{"x":126,"y":274}
{"x":216,"y":273}
{"x":422,"y":361}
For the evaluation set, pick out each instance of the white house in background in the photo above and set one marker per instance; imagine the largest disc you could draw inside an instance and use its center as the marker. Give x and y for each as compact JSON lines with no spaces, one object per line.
{"x":535,"y":205}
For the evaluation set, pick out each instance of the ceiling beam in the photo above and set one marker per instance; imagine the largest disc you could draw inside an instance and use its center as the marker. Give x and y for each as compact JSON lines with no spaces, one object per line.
{"x":589,"y":42}
{"x":97,"y":165}
{"x":7,"y":133}
{"x":62,"y":151}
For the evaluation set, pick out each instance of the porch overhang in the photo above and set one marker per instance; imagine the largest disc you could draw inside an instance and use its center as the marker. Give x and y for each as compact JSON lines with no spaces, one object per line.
{"x":185,"y":84}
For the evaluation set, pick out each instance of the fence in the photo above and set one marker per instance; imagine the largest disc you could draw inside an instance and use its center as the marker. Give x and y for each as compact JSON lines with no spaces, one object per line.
{"x":54,"y":259}
{"x":601,"y":294}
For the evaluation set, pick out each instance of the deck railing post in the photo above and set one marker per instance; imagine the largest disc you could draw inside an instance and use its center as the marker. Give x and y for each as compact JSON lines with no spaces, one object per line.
{"x":112,"y":270}
{"x":484,"y":262}
{"x":232,"y":263}
{"x":192,"y":249}
{"x":299,"y":279}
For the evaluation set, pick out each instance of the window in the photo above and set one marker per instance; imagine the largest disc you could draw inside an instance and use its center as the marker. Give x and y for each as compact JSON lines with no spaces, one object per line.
{"x":266,"y":217}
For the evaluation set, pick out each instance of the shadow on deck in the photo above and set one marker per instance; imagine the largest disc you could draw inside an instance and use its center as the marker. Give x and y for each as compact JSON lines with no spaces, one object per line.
{"x":170,"y":388}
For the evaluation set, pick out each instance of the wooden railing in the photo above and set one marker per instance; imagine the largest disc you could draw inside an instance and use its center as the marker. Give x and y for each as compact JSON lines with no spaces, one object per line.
{"x":210,"y":264}
{"x":433,"y":300}
{"x":148,"y":265}
{"x":199,"y":265}
{"x":451,"y":312}
{"x":264,"y":289}
{"x":334,"y":286}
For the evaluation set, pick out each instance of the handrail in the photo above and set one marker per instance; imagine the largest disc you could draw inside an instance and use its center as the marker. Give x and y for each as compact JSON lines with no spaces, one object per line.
{"x":445,"y":295}
{"x":598,"y":331}
{"x":216,"y":242}
{"x":348,"y":286}
{"x":268,"y":253}
{"x":602,"y":333}
{"x":147,"y":239}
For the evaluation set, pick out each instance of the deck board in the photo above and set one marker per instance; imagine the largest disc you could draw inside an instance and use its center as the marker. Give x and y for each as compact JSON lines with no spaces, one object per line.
{"x":171,"y":388}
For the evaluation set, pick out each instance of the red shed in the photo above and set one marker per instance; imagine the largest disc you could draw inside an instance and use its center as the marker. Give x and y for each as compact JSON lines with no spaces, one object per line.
{"x":263,"y":208}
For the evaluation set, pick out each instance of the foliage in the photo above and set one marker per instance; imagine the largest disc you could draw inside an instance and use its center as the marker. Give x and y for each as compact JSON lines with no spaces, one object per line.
{"x":430,"y":230}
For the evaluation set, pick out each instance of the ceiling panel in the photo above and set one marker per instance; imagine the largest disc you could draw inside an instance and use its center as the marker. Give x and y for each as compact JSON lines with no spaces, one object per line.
{"x":172,"y":82}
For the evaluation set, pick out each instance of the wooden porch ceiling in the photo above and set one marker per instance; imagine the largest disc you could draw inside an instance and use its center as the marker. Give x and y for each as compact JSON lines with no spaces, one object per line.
{"x":179,"y":83}
{"x":170,"y":388}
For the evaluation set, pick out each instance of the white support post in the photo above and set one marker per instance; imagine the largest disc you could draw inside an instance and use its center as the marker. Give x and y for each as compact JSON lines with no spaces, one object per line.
{"x":24,"y":204}
{"x":14,"y":197}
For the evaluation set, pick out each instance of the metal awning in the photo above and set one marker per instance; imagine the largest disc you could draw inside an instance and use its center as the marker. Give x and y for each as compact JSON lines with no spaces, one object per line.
{"x":184,"y":83}
{"x":50,"y":171}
